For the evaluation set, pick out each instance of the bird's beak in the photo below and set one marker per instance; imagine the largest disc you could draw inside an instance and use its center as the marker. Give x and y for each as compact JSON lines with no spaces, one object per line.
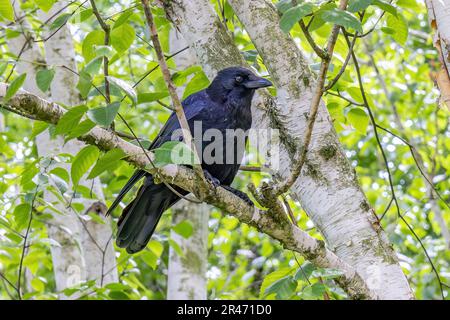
{"x":257,"y":82}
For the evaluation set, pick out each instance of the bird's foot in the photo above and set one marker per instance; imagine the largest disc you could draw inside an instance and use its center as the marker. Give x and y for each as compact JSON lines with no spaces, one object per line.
{"x":240,"y":194}
{"x":211,"y":179}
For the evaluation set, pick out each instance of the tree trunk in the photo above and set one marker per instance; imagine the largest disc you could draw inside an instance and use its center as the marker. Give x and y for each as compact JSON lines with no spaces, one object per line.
{"x":96,"y":238}
{"x":78,"y":258}
{"x":186,"y":278}
{"x":327,"y":188}
{"x":439,"y":17}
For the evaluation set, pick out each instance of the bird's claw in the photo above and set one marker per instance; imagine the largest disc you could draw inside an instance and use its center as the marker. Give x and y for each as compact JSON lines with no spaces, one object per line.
{"x":240,"y":194}
{"x":214,"y":181}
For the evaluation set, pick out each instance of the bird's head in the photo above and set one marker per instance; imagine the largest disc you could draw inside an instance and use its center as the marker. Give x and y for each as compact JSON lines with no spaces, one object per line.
{"x":236,"y":83}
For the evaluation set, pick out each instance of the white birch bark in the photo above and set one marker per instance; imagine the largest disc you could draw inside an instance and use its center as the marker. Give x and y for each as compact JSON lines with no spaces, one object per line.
{"x":96,"y":238}
{"x":68,"y":262}
{"x":76,"y":242}
{"x":328,"y":188}
{"x":439,"y":18}
{"x":186,"y":278}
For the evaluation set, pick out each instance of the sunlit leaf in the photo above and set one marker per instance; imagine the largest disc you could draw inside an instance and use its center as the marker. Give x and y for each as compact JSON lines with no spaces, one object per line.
{"x":44,"y":78}
{"x":82,"y":162}
{"x":15,"y":85}
{"x":104,"y":116}
{"x":293,"y":15}
{"x":106,"y":162}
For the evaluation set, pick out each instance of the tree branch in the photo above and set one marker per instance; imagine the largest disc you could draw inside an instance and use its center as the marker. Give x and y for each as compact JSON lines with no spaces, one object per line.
{"x":171,"y":87}
{"x":273,"y":222}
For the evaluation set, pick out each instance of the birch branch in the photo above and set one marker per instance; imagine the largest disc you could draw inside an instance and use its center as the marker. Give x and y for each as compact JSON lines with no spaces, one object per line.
{"x":273,"y":222}
{"x":171,"y":87}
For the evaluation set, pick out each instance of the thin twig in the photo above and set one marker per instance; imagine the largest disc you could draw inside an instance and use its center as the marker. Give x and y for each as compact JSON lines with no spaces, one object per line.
{"x":107,"y":29}
{"x":315,"y":102}
{"x":388,"y":170}
{"x":172,"y":90}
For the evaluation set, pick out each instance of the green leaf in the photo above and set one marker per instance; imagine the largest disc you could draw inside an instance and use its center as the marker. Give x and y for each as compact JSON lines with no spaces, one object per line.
{"x":44,"y":78}
{"x":3,"y":67}
{"x":151,"y":96}
{"x":45,"y":5}
{"x":359,"y":119}
{"x":359,"y":5}
{"x":305,"y":271}
{"x":118,"y":295}
{"x":37,"y":284}
{"x":15,"y":85}
{"x":179,"y":78}
{"x":283,"y":288}
{"x":81,"y":129}
{"x":84,"y":84}
{"x":314,"y":291}
{"x":175,"y":246}
{"x":342,"y":18}
{"x":85,"y":14}
{"x":175,"y":152}
{"x":96,"y":218}
{"x":6,"y":10}
{"x":104,"y":116}
{"x":93,"y":66}
{"x":70,"y":119}
{"x":26,"y":180}
{"x":197,"y":83}
{"x":156,"y":247}
{"x":400,"y":26}
{"x":129,"y":90}
{"x":184,"y":229}
{"x":388,"y":30}
{"x":104,"y":51}
{"x":273,"y":277}
{"x":283,"y":5}
{"x":122,"y":37}
{"x":22,"y":215}
{"x":60,"y":21}
{"x":61,"y":172}
{"x":293,"y":15}
{"x":108,"y":161}
{"x":82,"y":162}
{"x":38,"y":127}
{"x":123,"y":18}
{"x":149,"y":258}
{"x":96,"y":37}
{"x":386,"y":6}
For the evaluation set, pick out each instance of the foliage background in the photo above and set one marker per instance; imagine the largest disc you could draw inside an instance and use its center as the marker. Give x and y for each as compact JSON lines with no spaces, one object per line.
{"x":242,"y":263}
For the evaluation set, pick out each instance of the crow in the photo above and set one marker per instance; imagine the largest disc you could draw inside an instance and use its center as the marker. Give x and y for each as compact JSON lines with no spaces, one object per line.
{"x":223,"y":106}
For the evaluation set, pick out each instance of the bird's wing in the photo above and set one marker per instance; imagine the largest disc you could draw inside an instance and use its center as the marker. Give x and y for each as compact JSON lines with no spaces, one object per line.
{"x":194,"y":106}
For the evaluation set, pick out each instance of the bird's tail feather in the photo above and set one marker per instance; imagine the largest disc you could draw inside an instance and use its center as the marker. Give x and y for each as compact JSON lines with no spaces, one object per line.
{"x":138,"y":175}
{"x":140,"y":217}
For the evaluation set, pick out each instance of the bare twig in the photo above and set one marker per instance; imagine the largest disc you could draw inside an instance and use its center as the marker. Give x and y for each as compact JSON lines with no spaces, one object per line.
{"x":315,"y":102}
{"x":388,"y":170}
{"x":107,"y":29}
{"x":172,"y":90}
{"x":324,"y":55}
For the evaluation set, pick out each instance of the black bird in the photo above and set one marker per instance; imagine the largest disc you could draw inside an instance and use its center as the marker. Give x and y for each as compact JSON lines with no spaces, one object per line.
{"x":225,"y":104}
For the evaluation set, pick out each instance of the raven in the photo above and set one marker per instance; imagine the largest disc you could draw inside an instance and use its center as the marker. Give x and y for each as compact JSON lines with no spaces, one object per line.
{"x":224,"y":105}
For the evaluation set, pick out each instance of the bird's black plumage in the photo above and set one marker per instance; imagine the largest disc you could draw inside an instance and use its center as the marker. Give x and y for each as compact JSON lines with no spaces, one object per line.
{"x":225,"y":104}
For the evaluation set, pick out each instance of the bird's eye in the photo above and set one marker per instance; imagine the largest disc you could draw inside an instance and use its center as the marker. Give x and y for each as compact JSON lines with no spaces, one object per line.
{"x":239,"y":79}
